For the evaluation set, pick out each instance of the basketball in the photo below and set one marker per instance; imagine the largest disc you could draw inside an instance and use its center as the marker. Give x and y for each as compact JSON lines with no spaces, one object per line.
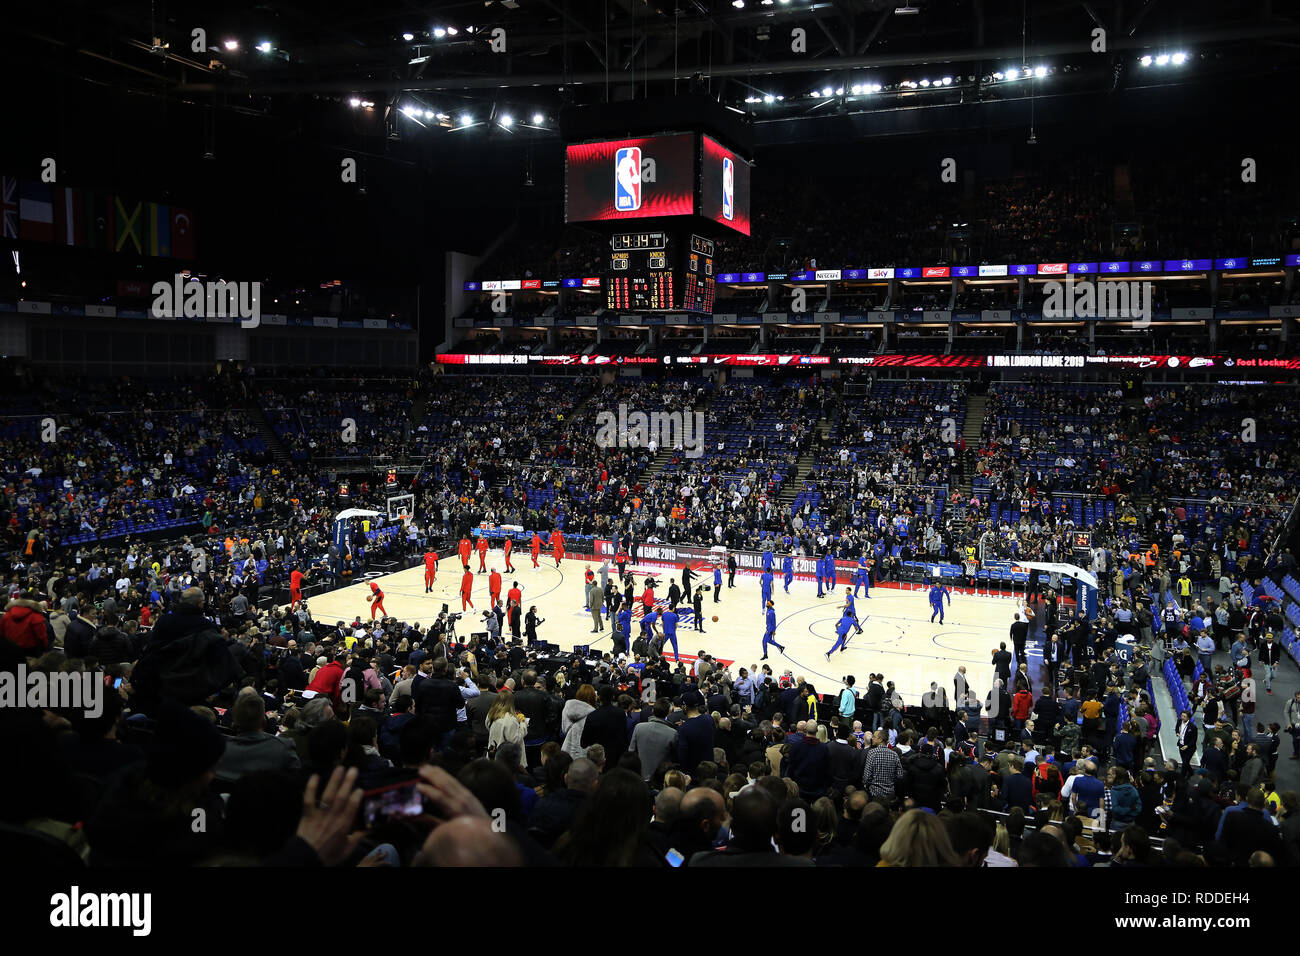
{"x":715,"y":619}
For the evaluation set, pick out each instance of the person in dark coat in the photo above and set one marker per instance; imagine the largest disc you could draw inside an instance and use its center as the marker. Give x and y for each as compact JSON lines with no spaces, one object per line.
{"x":1018,"y":788}
{"x":809,"y":766}
{"x":926,"y":782}
{"x":1002,"y":663}
{"x":607,"y":726}
{"x":1249,"y":830}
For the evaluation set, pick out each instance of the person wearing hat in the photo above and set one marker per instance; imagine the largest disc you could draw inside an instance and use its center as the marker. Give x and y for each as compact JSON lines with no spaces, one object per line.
{"x":148,"y":815}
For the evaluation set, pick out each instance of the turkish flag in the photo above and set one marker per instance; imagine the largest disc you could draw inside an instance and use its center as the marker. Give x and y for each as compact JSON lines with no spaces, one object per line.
{"x":182,"y":233}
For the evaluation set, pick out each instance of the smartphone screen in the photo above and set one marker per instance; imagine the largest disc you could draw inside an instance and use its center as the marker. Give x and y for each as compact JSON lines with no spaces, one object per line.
{"x":393,"y":802}
{"x":674,"y":858}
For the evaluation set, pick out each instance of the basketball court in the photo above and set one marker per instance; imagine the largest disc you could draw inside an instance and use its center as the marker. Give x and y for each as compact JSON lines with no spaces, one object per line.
{"x":898,"y":639}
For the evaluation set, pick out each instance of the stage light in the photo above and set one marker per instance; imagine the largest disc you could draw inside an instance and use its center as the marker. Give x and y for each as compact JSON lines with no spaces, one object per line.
{"x":231,"y":44}
{"x":264,"y":46}
{"x":465,"y":119}
{"x":428,"y":114}
{"x":999,"y":76}
{"x":1162,"y":59}
{"x":452,"y":31}
{"x":507,"y":120}
{"x":738,"y":4}
{"x":1040,"y":71}
{"x":1013,"y":74}
{"x":1145,"y":61}
{"x":827,"y":91}
{"x":1179,"y":59}
{"x":408,"y":37}
{"x":538,"y":119}
{"x":439,"y":32}
{"x":354,"y":102}
{"x":947,"y":81}
{"x":925,"y":83}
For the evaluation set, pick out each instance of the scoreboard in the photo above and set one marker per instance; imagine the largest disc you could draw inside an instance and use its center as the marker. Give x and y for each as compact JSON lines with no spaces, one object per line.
{"x":657,"y":272}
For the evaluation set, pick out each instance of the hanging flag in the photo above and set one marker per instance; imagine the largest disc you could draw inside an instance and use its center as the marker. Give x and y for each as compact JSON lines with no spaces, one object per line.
{"x":129,"y":226}
{"x":182,"y":233}
{"x":35,"y":211}
{"x":99,"y":219}
{"x":69,"y":217}
{"x":160,"y":230}
{"x":9,"y":194}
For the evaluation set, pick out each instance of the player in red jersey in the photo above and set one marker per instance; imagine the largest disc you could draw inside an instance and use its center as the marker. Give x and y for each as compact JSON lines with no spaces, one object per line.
{"x":482,"y":554}
{"x":621,"y":560}
{"x":536,"y":547}
{"x":430,"y":570}
{"x":648,"y":596}
{"x":464,"y":549}
{"x":466,"y":588}
{"x":376,"y":600}
{"x":514,"y":595}
{"x":507,"y":547}
{"x":494,"y":586}
{"x":557,"y":546}
{"x":296,"y":578}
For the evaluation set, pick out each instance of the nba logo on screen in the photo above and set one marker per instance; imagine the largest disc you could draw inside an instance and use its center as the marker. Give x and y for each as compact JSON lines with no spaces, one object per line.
{"x":728,"y":188}
{"x":627,"y":179}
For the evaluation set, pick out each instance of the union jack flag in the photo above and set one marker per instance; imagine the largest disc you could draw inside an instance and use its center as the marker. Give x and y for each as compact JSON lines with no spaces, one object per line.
{"x":9,"y":190}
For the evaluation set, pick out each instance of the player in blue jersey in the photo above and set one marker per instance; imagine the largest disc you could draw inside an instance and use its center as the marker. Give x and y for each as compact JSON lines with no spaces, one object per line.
{"x":669,"y":619}
{"x":623,"y":632}
{"x":717,"y":582}
{"x":765,"y":583}
{"x":851,"y":608}
{"x":937,"y":593}
{"x":787,"y":569}
{"x":769,"y":632}
{"x":819,"y":567}
{"x":862,"y":577}
{"x":828,"y":572}
{"x":767,"y":557}
{"x":842,"y":629}
{"x":648,"y":622}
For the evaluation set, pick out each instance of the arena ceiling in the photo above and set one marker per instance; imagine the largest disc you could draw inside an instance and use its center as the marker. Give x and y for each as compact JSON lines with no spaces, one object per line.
{"x":403,"y":70}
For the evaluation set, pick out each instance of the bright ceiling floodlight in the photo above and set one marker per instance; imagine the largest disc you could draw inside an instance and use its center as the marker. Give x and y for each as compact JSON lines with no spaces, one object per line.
{"x":231,"y":44}
{"x":439,"y":32}
{"x":408,"y":37}
{"x":354,"y":102}
{"x":1179,"y":59}
{"x":769,"y":98}
{"x":452,"y":31}
{"x":428,"y":114}
{"x":465,"y":119}
{"x":925,"y":83}
{"x":538,"y":119}
{"x":839,"y":91}
{"x":999,"y":75}
{"x":1162,"y":59}
{"x":1145,"y":61}
{"x":264,"y":46}
{"x":1013,"y":74}
{"x":827,"y":91}
{"x":947,"y":81}
{"x":507,"y":120}
{"x":1040,"y":71}
{"x":738,"y":4}
{"x":856,"y":89}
